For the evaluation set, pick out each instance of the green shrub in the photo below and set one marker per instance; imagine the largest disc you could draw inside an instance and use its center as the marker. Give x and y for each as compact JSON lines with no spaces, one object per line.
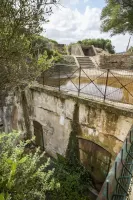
{"x":22,"y":176}
{"x":74,"y":180}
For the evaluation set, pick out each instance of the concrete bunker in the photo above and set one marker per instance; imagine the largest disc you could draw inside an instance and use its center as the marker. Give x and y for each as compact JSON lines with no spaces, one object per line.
{"x":88,"y":50}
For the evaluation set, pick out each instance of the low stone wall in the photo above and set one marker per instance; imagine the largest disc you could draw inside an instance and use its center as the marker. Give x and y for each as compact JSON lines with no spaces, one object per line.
{"x":104,"y":124}
{"x":68,"y":60}
{"x":116,"y":62}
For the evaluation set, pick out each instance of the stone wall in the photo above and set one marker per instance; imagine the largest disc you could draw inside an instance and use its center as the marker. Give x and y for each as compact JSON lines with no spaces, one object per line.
{"x":116,"y":62}
{"x":104,"y":124}
{"x":59,"y":120}
{"x":76,"y":50}
{"x":7,"y":112}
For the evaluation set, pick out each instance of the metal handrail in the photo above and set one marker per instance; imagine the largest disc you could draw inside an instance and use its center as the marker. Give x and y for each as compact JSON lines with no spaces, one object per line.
{"x":107,"y":74}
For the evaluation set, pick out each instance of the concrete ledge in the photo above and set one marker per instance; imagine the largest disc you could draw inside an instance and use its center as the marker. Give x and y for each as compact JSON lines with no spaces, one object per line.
{"x":107,"y":106}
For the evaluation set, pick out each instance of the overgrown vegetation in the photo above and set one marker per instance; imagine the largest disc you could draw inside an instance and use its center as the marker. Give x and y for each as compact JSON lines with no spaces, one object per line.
{"x":130,"y":50}
{"x":26,"y":174}
{"x":104,"y":44}
{"x":74,"y":180}
{"x":100,"y":43}
{"x":22,"y":176}
{"x":20,"y":21}
{"x":41,"y":44}
{"x":117,"y":17}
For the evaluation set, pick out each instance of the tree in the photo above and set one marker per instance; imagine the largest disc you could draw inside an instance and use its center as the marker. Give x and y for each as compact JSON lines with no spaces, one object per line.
{"x":20,"y":20}
{"x":125,"y":3}
{"x":39,"y":44}
{"x":100,"y":43}
{"x":117,"y":17}
{"x":22,"y":176}
{"x":42,"y":46}
{"x":130,"y":50}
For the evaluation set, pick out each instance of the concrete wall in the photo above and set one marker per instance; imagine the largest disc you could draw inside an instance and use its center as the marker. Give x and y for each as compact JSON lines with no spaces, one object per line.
{"x":7,"y":112}
{"x":61,"y":115}
{"x":89,"y":51}
{"x":76,"y":50}
{"x":116,"y":61}
{"x":106,"y":125}
{"x":99,"y":122}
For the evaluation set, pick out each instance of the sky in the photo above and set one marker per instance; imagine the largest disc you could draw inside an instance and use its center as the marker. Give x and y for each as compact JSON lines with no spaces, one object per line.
{"x":80,"y":19}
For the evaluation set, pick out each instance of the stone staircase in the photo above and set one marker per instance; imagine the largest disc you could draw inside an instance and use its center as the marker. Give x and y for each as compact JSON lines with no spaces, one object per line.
{"x":85,"y":62}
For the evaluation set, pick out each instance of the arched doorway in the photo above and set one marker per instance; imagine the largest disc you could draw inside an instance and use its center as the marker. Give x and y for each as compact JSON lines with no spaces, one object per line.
{"x":38,"y":132}
{"x":96,"y":159}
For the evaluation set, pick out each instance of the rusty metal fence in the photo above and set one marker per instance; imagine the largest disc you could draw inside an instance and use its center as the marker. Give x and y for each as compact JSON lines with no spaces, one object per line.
{"x":103,"y":84}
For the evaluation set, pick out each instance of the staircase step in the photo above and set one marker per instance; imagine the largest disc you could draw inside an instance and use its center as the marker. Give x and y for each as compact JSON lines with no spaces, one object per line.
{"x":86,"y":63}
{"x":83,"y":58}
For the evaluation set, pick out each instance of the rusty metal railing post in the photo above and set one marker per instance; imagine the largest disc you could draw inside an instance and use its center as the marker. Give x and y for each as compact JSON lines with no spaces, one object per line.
{"x":107,"y":190}
{"x":43,"y":78}
{"x":106,"y":84}
{"x":59,"y":79}
{"x":79,"y":80}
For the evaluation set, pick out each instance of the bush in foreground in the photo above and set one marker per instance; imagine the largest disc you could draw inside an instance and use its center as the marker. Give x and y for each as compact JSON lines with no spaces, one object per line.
{"x":22,"y":176}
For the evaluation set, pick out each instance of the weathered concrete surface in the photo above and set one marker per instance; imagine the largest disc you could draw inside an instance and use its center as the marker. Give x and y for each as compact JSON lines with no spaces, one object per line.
{"x":116,"y":61}
{"x":7,"y":112}
{"x":76,"y":50}
{"x":59,"y":115}
{"x":131,"y":195}
{"x":104,"y":124}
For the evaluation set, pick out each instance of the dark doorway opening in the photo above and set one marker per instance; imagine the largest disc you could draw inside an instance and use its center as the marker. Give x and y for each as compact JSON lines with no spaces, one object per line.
{"x":88,"y":51}
{"x":38,"y":132}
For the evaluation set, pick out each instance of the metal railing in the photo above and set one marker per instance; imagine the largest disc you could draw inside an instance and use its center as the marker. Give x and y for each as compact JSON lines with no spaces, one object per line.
{"x":103,"y":84}
{"x":118,"y":184}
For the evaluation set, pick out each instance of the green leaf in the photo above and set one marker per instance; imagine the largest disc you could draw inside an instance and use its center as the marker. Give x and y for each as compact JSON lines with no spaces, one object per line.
{"x":2,"y":196}
{"x":9,"y":161}
{"x":22,"y":160}
{"x":12,"y":173}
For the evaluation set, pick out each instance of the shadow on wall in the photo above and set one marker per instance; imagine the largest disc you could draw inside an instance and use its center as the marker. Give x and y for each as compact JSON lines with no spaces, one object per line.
{"x":96,"y":159}
{"x":38,"y":132}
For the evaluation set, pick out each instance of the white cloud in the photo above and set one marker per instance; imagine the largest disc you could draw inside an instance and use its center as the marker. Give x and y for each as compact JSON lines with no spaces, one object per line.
{"x":67,"y":25}
{"x":86,"y":1}
{"x":70,"y":2}
{"x":74,"y":2}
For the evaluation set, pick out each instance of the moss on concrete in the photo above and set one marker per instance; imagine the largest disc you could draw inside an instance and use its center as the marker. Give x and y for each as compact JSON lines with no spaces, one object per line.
{"x":72,"y":153}
{"x":88,"y":102}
